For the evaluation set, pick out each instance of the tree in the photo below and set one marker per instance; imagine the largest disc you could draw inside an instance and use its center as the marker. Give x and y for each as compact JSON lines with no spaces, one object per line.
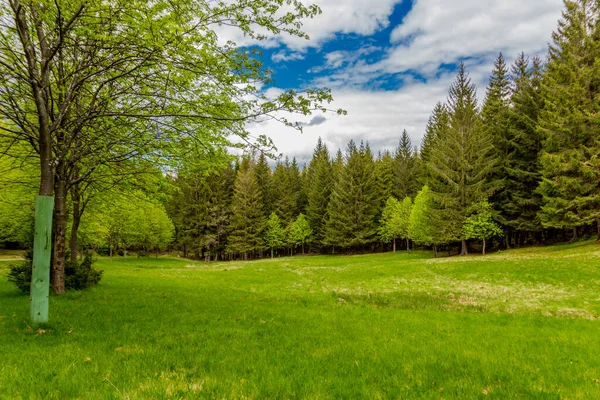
{"x":523,"y":165}
{"x":102,"y":81}
{"x":405,"y":168}
{"x":319,"y":185}
{"x":481,"y":225}
{"x":461,"y":161}
{"x":284,"y":193}
{"x":495,"y":118}
{"x":395,"y":221}
{"x":353,"y":207}
{"x":423,"y":229}
{"x":275,"y":234}
{"x":247,"y":220}
{"x":300,"y":232}
{"x":385,"y":178}
{"x":571,"y":151}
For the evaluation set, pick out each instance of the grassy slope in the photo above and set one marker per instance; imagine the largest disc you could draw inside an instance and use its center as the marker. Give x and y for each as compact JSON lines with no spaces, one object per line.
{"x":515,"y":324}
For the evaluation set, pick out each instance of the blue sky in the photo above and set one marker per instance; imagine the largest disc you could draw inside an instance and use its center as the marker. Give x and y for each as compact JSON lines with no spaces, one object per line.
{"x":389,"y":61}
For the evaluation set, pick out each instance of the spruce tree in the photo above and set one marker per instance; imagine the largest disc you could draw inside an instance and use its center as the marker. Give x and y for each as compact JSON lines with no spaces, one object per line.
{"x":405,"y":172}
{"x":520,"y":210}
{"x":461,"y":161}
{"x":264,"y":177}
{"x":247,"y":220}
{"x":385,"y":178}
{"x":318,"y":188}
{"x":495,"y":120}
{"x":284,"y":193}
{"x":569,"y":121}
{"x":353,"y":206}
{"x":437,"y":124}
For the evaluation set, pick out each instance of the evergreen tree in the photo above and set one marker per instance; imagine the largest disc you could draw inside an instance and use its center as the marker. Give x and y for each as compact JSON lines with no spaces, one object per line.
{"x":274,"y":235}
{"x":318,"y":189}
{"x":405,"y":171}
{"x":300,"y":232}
{"x":263,"y":177}
{"x":303,"y":193}
{"x":436,"y":126}
{"x":284,"y":193}
{"x":461,"y":161}
{"x":520,"y":210}
{"x":353,"y":207}
{"x":295,"y":181}
{"x":247,"y":220}
{"x":495,"y":120}
{"x":569,"y":121}
{"x":385,"y":178}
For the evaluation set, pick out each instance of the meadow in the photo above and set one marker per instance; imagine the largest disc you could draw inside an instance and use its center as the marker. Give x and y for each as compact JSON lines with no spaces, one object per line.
{"x":514,"y":324}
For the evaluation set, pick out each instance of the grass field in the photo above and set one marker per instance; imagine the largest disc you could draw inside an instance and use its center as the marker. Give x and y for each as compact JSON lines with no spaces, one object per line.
{"x":516,"y":324}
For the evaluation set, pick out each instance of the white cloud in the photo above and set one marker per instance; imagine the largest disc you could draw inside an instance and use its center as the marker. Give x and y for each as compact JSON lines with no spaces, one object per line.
{"x":283,"y":55}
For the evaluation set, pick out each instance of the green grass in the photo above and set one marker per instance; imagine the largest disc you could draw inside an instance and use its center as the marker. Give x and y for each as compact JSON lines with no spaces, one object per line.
{"x":517,"y":324}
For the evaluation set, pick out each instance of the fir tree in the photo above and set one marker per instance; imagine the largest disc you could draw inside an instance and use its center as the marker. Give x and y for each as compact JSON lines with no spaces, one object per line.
{"x":318,"y":189}
{"x":247,"y":219}
{"x":495,"y":120}
{"x":520,"y":210}
{"x":461,"y":160}
{"x":405,"y":163}
{"x":263,"y":177}
{"x":384,"y":175}
{"x":571,"y":152}
{"x":353,"y":207}
{"x":284,"y":193}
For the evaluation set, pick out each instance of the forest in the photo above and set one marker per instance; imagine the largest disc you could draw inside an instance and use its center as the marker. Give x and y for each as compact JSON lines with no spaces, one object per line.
{"x":521,"y":167}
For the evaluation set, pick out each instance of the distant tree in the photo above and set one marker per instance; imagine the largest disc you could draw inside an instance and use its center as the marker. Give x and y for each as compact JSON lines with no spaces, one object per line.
{"x":275,"y":234}
{"x":284,"y":193}
{"x":461,"y":160}
{"x":247,"y":221}
{"x":481,"y":225}
{"x":353,"y":209}
{"x":405,"y":168}
{"x":395,"y":221}
{"x":264,"y":179}
{"x":385,"y":178}
{"x":300,"y":232}
{"x":318,"y":188}
{"x":422,"y":224}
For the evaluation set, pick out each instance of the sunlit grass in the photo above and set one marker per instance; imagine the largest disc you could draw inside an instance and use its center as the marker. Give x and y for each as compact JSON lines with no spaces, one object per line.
{"x":522,"y":323}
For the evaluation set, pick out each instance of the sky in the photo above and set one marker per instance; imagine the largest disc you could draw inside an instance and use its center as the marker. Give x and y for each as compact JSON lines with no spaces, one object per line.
{"x":388,"y":62}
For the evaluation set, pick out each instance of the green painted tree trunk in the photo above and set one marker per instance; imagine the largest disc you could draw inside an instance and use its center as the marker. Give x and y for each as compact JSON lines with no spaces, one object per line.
{"x":42,"y":248}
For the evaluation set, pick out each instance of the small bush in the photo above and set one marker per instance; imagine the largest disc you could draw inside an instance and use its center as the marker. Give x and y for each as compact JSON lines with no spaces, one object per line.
{"x":78,"y":275}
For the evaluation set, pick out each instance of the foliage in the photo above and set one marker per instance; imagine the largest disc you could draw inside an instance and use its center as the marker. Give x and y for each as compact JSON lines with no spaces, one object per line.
{"x":395,"y":222}
{"x":319,"y":185}
{"x":79,"y":275}
{"x":481,"y":224}
{"x":422,"y":227}
{"x":300,"y":231}
{"x":274,"y":235}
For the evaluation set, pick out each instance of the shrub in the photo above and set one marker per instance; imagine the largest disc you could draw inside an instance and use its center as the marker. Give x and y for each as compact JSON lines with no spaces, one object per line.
{"x":78,"y":275}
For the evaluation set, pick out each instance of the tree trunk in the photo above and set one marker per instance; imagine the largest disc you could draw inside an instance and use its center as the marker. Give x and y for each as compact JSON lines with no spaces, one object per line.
{"x":407,"y":244}
{"x":484,"y":246}
{"x":60,"y":234}
{"x":574,"y":234}
{"x":434,"y":251}
{"x":598,"y":224}
{"x":73,"y":245}
{"x":464,"y":251}
{"x":394,"y":245}
{"x":271,"y":253}
{"x":110,"y":252}
{"x":303,"y":243}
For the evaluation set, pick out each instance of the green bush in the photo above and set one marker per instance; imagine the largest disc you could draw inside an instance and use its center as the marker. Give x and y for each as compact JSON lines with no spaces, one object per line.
{"x":78,"y":275}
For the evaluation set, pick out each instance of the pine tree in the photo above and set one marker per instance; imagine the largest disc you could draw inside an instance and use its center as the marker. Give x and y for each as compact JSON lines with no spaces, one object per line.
{"x":264,"y":177}
{"x":495,"y":120}
{"x":318,"y":188}
{"x":284,"y":193}
{"x":461,"y":160}
{"x":522,"y":178}
{"x":247,"y":220}
{"x":436,"y":126}
{"x":384,"y":175}
{"x":571,"y":152}
{"x":295,"y":180}
{"x":405,"y":171}
{"x":274,"y":234}
{"x":353,"y":207}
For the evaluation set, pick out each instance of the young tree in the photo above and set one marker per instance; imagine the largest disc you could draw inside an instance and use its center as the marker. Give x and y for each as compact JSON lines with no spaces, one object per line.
{"x":481,"y":224}
{"x":461,"y":161}
{"x":395,"y":221}
{"x":300,"y":232}
{"x":275,"y":234}
{"x":423,"y":229}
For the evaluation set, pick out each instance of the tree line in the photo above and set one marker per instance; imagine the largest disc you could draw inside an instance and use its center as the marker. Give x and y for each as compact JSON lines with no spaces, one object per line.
{"x":521,"y":168}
